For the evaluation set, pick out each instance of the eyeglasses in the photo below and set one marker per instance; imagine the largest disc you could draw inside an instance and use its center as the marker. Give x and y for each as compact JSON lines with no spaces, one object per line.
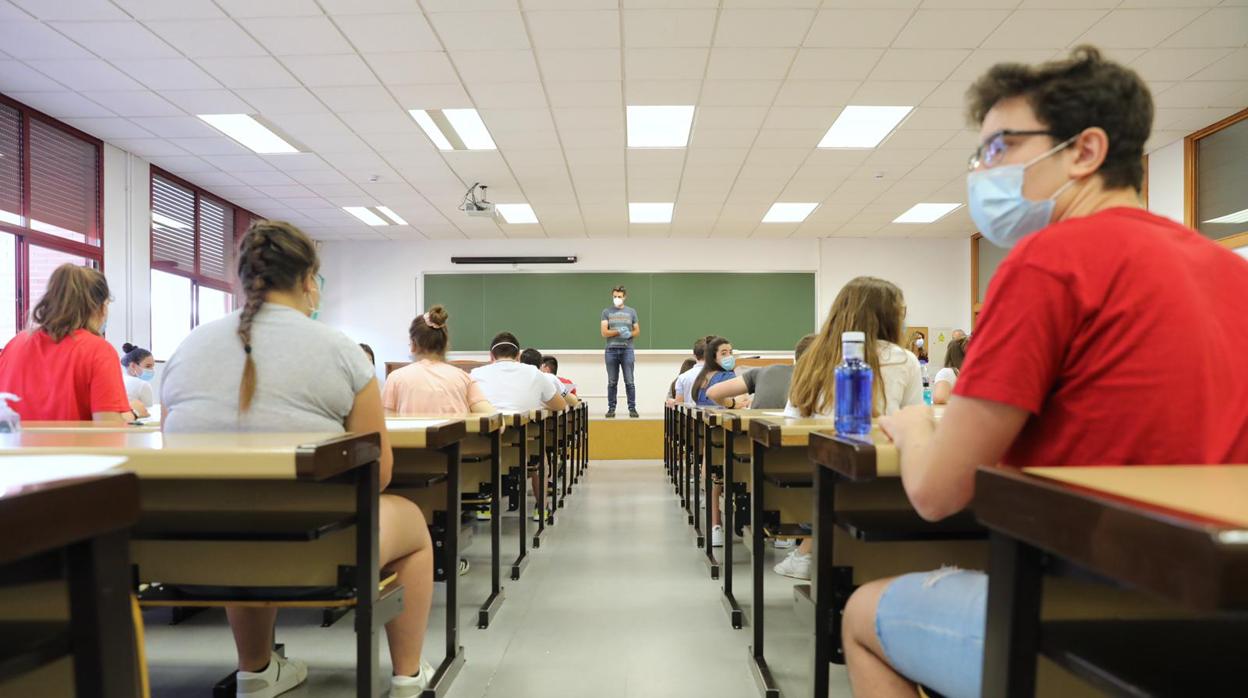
{"x":990,"y":152}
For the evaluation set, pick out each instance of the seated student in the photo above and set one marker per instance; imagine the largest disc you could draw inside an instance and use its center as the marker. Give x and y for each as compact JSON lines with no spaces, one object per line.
{"x":671,"y":391}
{"x":533,"y":357}
{"x":512,"y":386}
{"x":684,"y":381}
{"x":139,"y":368}
{"x":297,"y":375}
{"x":947,"y":377}
{"x":875,"y":307}
{"x":717,"y":368}
{"x":63,"y":369}
{"x":768,"y":386}
{"x":429,"y":385}
{"x":1055,"y":377}
{"x":551,"y":365}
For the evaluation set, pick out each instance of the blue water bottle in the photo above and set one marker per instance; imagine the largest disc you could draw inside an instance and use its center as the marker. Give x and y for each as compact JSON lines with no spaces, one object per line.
{"x":853,"y":387}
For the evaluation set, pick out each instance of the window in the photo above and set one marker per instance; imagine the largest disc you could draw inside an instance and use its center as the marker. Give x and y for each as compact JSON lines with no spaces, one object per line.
{"x":1217,"y":180}
{"x":193,"y":235}
{"x":50,"y":207}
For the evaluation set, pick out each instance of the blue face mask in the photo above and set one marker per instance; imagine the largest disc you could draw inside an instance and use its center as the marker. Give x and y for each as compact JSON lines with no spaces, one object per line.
{"x":147,"y":374}
{"x":1000,"y":211}
{"x":728,"y":363}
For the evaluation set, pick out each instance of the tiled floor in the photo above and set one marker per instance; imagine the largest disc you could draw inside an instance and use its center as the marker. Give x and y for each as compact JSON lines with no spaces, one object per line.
{"x":617,"y":603}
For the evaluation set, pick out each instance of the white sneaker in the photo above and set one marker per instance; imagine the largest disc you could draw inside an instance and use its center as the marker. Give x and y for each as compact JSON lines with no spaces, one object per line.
{"x":796,"y":565}
{"x":784,"y":543}
{"x":717,"y":537}
{"x":536,"y":516}
{"x":281,"y":676}
{"x":412,"y":686}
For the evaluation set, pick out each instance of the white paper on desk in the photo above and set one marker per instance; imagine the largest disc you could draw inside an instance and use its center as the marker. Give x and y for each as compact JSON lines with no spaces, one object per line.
{"x":774,"y":414}
{"x":18,"y":471}
{"x":409,"y":424}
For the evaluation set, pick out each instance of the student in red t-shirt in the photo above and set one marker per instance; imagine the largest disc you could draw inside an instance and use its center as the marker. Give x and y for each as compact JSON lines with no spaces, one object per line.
{"x":63,"y":369}
{"x":1109,"y":336}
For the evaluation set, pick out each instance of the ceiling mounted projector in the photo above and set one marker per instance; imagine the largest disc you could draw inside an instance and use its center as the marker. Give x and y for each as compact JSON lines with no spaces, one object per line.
{"x":478,"y":207}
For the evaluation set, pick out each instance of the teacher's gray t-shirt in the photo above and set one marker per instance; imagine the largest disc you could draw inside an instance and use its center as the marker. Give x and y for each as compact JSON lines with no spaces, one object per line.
{"x":307,"y":376}
{"x":619,"y":318}
{"x":770,"y":386}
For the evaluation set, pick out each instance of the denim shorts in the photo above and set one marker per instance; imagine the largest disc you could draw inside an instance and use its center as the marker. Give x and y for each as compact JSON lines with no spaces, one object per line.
{"x":931,"y":626}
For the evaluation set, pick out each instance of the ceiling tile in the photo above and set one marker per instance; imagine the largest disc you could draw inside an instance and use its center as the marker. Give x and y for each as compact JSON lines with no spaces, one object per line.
{"x":138,"y":103}
{"x":399,"y":33}
{"x":183,"y":165}
{"x":110,"y":128}
{"x":503,"y":95}
{"x":951,"y":93}
{"x":982,"y":59}
{"x":248,"y":72}
{"x":1176,"y":63}
{"x":348,"y":70}
{"x":661,"y":92}
{"x":1221,"y":26}
{"x":668,"y":28}
{"x":81,"y":10}
{"x":481,"y":67}
{"x":762,"y":27}
{"x":208,"y":101}
{"x":419,"y":68}
{"x":147,"y":147}
{"x":801,"y":117}
{"x":1139,"y":28}
{"x":176,"y":126}
{"x":167,"y":73}
{"x":207,"y":38}
{"x":343,"y":99}
{"x":1042,"y":28}
{"x":936,"y":119}
{"x":282,"y":100}
{"x":379,"y":123}
{"x":298,"y":162}
{"x":592,"y":118}
{"x":480,"y":31}
{"x":734,"y":93}
{"x":914,"y":64}
{"x":722,"y":137}
{"x":729,"y":117}
{"x":577,"y":138}
{"x":749,"y":63}
{"x":344,"y":7}
{"x":584,"y":94}
{"x":297,"y":36}
{"x":61,"y":104}
{"x":209,"y":146}
{"x":579,"y":64}
{"x":856,"y":28}
{"x":239,"y":163}
{"x":665,"y":63}
{"x":19,"y":77}
{"x":834,"y":63}
{"x":816,"y":93}
{"x":582,"y":29}
{"x":1233,"y":67}
{"x":89,"y":74}
{"x":893,"y":93}
{"x":182,"y":9}
{"x":32,"y":40}
{"x":431,"y":96}
{"x":116,"y":39}
{"x":1223,"y":93}
{"x":949,"y":28}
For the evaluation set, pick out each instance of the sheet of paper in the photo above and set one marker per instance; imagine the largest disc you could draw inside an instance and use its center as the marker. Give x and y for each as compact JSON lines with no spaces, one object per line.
{"x":774,"y":414}
{"x":399,"y":424}
{"x":18,"y":471}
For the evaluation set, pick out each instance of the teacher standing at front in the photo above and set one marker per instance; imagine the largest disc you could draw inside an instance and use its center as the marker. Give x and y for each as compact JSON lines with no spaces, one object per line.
{"x":619,"y":326}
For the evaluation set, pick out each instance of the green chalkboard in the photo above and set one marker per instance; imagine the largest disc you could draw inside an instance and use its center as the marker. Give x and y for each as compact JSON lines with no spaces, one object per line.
{"x":765,"y":311}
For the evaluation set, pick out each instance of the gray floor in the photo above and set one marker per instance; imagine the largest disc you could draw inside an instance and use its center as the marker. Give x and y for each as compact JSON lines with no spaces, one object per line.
{"x":617,"y":603}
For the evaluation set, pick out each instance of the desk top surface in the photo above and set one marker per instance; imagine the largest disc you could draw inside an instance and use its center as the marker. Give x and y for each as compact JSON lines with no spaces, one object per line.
{"x":93,"y":426}
{"x":437,"y":431}
{"x":857,"y":459}
{"x":783,"y":432}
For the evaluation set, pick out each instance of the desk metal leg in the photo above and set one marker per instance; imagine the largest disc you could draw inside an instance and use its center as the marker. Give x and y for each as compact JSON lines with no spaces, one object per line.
{"x":492,"y":604}
{"x":1012,"y":636}
{"x":522,"y":560}
{"x":708,"y":450}
{"x":454,"y":661}
{"x":735,"y":614}
{"x":698,"y":466}
{"x":105,"y":661}
{"x":758,"y":663}
{"x":367,"y":572}
{"x":827,"y":640}
{"x":542,"y":489}
{"x":562,"y":448}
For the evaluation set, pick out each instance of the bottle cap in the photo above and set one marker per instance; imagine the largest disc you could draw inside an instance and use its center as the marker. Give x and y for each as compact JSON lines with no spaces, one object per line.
{"x":854,"y":337}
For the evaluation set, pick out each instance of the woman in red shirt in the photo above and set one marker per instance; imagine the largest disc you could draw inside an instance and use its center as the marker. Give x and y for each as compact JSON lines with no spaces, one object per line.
{"x":63,"y":369}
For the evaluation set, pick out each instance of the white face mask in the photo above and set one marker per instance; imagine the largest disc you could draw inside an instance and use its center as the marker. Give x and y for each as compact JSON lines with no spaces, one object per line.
{"x":619,"y":302}
{"x":919,"y":342}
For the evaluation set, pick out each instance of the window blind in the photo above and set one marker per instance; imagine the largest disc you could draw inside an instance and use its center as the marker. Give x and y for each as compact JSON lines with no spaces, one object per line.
{"x":64,"y":183}
{"x":216,"y":235}
{"x":10,"y":165}
{"x":173,"y":226}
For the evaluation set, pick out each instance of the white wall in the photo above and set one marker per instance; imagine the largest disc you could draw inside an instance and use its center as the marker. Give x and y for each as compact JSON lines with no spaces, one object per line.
{"x":127,"y":246}
{"x":1166,"y":181}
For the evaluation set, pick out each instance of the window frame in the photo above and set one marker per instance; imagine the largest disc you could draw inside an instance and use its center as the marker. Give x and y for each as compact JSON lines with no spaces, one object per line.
{"x":26,"y":236}
{"x":1190,"y":174}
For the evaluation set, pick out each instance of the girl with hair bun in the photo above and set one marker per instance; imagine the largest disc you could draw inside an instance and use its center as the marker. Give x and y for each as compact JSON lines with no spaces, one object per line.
{"x":298,"y":375}
{"x":430,"y":385}
{"x":138,"y":369}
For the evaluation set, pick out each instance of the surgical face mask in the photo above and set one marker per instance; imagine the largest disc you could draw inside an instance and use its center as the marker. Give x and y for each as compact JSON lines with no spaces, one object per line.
{"x":919,"y":342}
{"x":147,"y":374}
{"x":619,"y":302}
{"x":1000,"y":211}
{"x":728,"y":363}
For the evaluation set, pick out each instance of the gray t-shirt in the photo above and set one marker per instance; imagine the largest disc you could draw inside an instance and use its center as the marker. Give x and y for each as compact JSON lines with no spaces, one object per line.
{"x":770,"y":386}
{"x":307,"y":376}
{"x":619,"y":318}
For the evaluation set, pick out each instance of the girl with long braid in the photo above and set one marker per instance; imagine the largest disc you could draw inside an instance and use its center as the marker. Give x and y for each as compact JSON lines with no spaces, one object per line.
{"x":297,"y":375}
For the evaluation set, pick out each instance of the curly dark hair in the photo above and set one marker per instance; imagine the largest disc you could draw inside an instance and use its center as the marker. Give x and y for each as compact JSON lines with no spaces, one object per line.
{"x":1069,"y":95}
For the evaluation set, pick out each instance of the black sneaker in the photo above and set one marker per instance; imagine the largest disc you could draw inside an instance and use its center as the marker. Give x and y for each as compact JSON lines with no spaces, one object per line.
{"x":633,"y":413}
{"x":610,"y":414}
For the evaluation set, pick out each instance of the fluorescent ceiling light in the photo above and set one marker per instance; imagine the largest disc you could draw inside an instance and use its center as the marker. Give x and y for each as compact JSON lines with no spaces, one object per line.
{"x":788,"y":213}
{"x":365,"y":214}
{"x":162,"y":219}
{"x":454,"y":129}
{"x":926,"y":213}
{"x":863,"y":127}
{"x":385,"y":211}
{"x":1237,"y":217}
{"x":251,"y":133}
{"x":650,"y":212}
{"x":516,"y":213}
{"x":659,"y":127}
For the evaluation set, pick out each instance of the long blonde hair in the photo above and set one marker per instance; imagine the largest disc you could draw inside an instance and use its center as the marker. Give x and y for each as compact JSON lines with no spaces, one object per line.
{"x":866,"y":304}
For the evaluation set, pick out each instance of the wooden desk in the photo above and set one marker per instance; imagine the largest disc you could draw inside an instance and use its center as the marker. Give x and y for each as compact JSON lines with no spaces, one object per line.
{"x":539,"y":432}
{"x":73,"y":533}
{"x":735,"y":427}
{"x":1179,"y":533}
{"x":517,"y":425}
{"x":94,"y":426}
{"x":216,"y":509}
{"x":483,"y":441}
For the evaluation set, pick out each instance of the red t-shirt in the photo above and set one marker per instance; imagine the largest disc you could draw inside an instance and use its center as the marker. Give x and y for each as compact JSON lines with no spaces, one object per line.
{"x":62,"y":381}
{"x":565,"y":381}
{"x":1123,"y":334}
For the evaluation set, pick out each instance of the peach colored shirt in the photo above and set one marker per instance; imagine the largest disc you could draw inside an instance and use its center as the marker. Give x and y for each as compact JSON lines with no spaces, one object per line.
{"x":430,"y":387}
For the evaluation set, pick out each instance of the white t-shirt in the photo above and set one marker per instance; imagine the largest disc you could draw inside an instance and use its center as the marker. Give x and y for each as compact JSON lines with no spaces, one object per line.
{"x":903,"y":381}
{"x":684,"y":384}
{"x":562,"y":388}
{"x":139,"y":389}
{"x":947,"y":375}
{"x":515,"y":387}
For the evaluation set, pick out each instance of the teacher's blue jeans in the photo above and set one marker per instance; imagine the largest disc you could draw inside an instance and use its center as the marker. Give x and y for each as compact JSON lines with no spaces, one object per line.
{"x":617,"y":358}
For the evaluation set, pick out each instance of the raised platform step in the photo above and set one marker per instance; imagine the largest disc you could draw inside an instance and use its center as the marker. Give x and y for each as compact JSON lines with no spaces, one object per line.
{"x":624,"y":438}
